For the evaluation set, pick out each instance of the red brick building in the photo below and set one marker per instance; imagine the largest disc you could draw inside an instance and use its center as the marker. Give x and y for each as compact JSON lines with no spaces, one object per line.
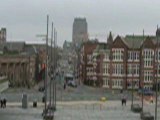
{"x":86,"y":67}
{"x":122,"y":61}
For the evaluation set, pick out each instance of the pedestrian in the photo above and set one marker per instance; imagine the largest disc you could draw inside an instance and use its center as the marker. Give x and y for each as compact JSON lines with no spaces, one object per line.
{"x":64,"y":86}
{"x":4,"y":102}
{"x":1,"y":101}
{"x":124,"y":100}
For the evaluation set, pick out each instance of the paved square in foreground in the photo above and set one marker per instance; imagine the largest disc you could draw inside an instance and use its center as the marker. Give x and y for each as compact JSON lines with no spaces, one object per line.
{"x":110,"y":110}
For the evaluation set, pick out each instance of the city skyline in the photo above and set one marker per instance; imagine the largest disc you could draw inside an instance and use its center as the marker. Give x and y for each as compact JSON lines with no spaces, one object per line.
{"x":121,"y":17}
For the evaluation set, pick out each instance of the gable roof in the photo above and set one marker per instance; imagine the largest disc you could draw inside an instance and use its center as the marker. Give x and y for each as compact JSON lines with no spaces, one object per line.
{"x":101,"y":46}
{"x":122,"y":39}
{"x":136,"y":41}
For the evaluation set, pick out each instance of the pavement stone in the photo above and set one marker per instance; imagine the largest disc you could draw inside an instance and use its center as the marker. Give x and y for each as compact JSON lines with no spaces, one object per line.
{"x":78,"y":110}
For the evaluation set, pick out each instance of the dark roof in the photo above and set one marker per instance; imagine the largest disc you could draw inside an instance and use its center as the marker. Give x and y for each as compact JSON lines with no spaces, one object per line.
{"x":136,"y":41}
{"x":102,"y":46}
{"x":13,"y":46}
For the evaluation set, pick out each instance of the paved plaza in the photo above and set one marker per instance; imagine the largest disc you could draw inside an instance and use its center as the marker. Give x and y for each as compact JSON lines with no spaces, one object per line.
{"x":81,"y":103}
{"x":110,"y":110}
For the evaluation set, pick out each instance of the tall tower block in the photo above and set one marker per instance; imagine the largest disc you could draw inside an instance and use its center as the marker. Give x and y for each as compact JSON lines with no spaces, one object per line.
{"x":80,"y":31}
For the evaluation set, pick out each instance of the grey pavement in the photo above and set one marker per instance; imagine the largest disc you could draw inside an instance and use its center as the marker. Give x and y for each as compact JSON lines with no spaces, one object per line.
{"x":81,"y":103}
{"x":17,"y":113}
{"x":82,"y":93}
{"x":110,"y":110}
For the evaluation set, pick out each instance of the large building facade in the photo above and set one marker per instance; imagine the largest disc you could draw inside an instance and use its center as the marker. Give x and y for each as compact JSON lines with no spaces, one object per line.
{"x":124,"y":61}
{"x":80,"y":31}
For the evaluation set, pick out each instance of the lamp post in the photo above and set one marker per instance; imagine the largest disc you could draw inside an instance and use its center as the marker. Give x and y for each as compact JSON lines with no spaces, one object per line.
{"x":55,"y":66}
{"x":142,"y":69}
{"x":156,"y":76}
{"x":132,"y":67}
{"x":46,"y":67}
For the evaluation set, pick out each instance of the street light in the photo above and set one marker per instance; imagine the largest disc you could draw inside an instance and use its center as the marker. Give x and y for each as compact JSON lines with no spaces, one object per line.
{"x":156,"y":77}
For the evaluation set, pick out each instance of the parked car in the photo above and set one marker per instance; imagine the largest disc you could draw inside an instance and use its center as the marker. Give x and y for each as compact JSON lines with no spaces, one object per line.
{"x":136,"y":108}
{"x":145,"y":92}
{"x":72,"y":83}
{"x":146,"y":116}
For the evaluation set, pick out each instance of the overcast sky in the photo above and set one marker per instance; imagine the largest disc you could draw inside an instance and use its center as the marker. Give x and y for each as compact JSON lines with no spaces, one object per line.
{"x":24,"y":19}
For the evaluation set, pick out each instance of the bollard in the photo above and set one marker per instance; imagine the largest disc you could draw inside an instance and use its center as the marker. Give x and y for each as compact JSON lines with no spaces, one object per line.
{"x":24,"y":101}
{"x":43,"y":99}
{"x":35,"y":104}
{"x":93,"y":106}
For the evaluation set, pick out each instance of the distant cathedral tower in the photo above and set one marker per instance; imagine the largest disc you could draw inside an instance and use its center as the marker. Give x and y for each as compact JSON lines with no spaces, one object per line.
{"x":3,"y":35}
{"x":80,"y":31}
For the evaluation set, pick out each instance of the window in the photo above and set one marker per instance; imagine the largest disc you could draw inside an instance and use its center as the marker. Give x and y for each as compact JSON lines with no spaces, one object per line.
{"x":148,"y":57}
{"x":118,"y":69}
{"x":133,"y":55}
{"x":117,"y":83}
{"x":105,"y":82}
{"x":148,"y":76}
{"x":118,"y":54}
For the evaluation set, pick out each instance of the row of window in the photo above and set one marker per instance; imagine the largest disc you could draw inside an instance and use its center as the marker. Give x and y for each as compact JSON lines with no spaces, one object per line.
{"x":115,"y":83}
{"x":118,"y":83}
{"x":118,"y":55}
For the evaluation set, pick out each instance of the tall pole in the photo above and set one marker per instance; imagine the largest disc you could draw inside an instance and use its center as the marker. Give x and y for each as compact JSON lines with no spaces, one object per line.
{"x":46,"y":67}
{"x":51,"y":69}
{"x":142,"y":71}
{"x":54,"y":72}
{"x":156,"y":76}
{"x":56,"y":66}
{"x":132,"y":66}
